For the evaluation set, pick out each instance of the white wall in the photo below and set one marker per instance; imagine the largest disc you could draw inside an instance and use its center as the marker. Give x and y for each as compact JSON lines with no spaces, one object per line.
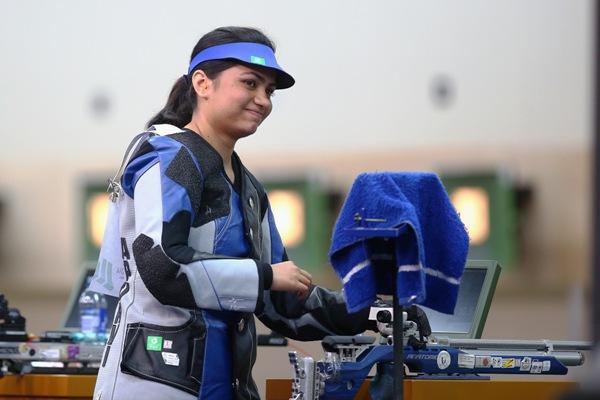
{"x":364,"y":69}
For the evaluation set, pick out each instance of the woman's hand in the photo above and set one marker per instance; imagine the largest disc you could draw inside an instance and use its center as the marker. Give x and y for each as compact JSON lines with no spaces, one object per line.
{"x":288,"y":277}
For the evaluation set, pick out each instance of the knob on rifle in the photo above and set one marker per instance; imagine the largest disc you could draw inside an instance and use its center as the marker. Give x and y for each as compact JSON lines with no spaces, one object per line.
{"x":384,"y":316}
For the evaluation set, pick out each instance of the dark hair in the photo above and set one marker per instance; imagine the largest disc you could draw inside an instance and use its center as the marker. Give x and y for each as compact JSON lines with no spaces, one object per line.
{"x":182,"y":99}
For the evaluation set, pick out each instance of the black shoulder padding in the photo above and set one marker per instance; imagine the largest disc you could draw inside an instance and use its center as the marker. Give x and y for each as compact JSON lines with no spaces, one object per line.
{"x":215,"y":191}
{"x":159,"y":274}
{"x":183,"y":171}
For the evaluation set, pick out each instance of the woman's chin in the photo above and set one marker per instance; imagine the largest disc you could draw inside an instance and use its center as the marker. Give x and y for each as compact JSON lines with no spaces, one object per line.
{"x":247,"y":131}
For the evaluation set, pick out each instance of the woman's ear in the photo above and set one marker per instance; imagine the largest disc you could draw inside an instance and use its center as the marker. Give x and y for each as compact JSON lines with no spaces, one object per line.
{"x":201,"y":83}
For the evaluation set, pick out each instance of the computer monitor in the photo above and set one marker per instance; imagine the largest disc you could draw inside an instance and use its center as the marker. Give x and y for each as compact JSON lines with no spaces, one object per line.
{"x":70,"y":320}
{"x":477,"y":287}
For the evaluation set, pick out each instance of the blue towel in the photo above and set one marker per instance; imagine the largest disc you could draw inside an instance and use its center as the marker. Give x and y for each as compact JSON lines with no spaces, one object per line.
{"x":430,"y":251}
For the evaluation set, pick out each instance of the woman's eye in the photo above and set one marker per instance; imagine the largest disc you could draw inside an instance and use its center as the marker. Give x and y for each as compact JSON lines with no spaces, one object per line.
{"x":250,"y":83}
{"x":270,"y":92}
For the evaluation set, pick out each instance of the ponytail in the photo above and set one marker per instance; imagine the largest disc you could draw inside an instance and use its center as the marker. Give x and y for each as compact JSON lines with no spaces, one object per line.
{"x":180,"y":105}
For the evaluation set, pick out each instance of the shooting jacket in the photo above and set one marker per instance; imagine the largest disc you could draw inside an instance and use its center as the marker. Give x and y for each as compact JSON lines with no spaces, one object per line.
{"x":197,"y":251}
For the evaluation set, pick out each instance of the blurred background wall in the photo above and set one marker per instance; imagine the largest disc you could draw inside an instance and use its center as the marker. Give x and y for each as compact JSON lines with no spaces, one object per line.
{"x":462,"y":86}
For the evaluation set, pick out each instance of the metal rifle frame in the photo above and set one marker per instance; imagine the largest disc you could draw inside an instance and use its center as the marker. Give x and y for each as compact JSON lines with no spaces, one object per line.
{"x":372,"y":233}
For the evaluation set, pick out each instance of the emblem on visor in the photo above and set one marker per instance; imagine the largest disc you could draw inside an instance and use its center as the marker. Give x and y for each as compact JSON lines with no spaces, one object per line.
{"x":258,"y":60}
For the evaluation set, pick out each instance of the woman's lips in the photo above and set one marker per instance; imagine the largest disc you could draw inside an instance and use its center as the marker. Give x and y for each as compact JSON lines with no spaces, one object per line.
{"x":256,"y":113}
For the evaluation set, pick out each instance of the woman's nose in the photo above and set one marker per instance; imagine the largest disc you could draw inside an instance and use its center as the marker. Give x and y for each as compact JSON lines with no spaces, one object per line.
{"x":262,"y":99}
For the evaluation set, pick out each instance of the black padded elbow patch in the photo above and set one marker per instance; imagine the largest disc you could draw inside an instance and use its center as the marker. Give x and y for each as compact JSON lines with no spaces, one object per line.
{"x":159,"y":274}
{"x":175,"y":237}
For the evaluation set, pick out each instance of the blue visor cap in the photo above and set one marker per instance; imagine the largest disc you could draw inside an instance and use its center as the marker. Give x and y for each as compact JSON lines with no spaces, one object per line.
{"x":249,"y":53}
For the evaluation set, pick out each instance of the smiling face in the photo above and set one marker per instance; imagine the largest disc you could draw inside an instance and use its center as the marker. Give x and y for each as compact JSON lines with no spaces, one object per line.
{"x":238,"y":100}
